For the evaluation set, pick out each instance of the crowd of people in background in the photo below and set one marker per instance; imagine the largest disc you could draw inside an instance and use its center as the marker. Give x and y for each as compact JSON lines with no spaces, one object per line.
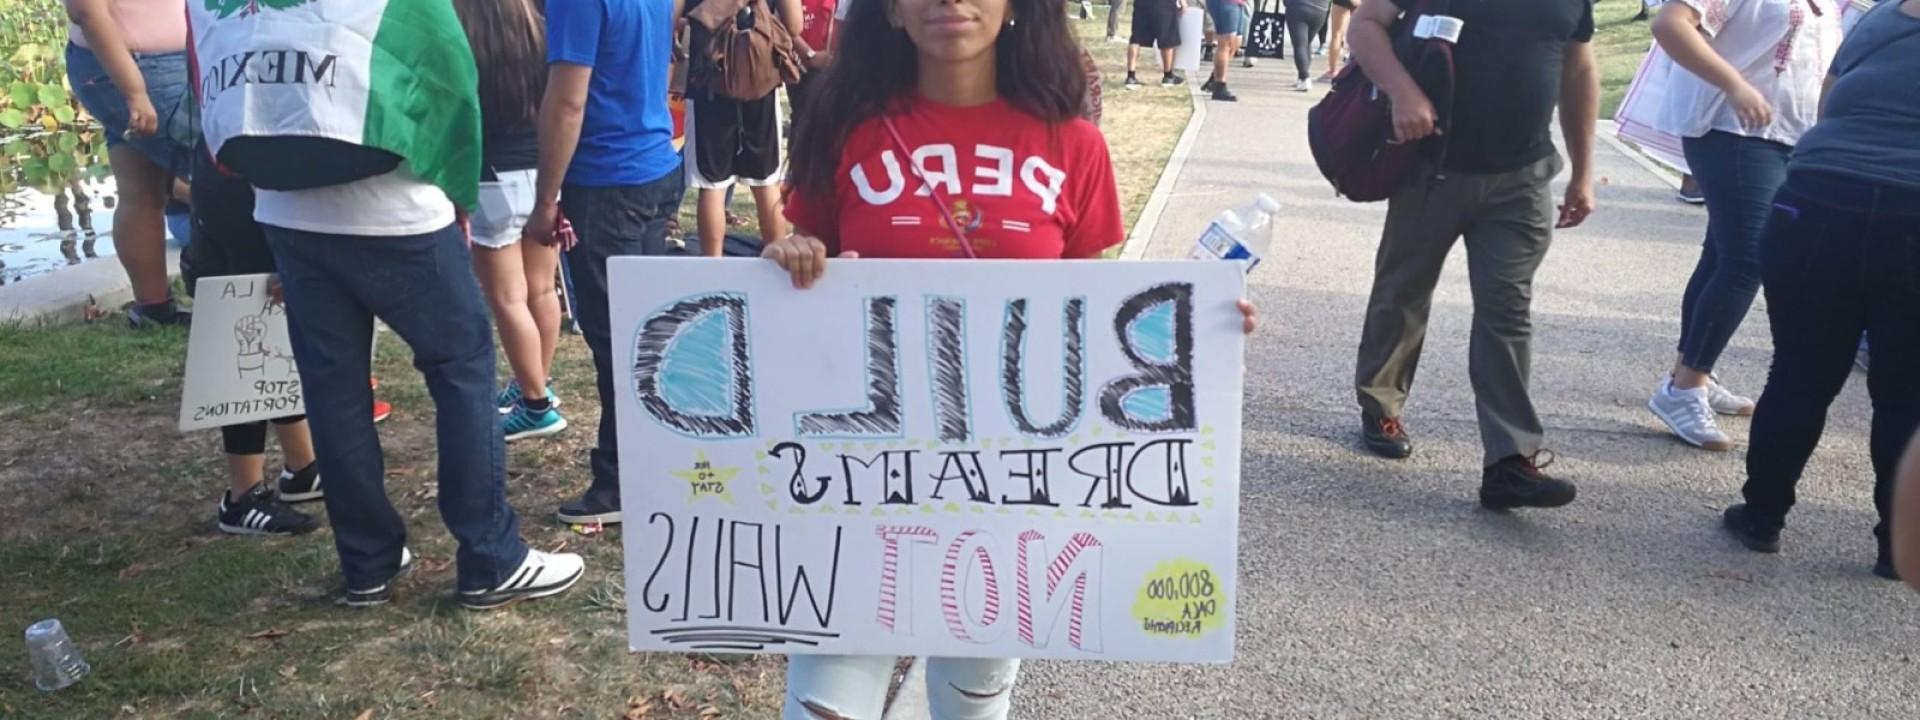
{"x":1799,"y":140}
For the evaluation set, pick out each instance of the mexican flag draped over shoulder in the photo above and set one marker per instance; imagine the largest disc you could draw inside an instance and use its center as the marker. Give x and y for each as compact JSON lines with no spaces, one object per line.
{"x":396,"y":75}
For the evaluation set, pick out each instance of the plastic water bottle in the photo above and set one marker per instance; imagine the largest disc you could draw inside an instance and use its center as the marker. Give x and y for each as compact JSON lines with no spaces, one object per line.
{"x":1242,"y":234}
{"x":56,"y":662}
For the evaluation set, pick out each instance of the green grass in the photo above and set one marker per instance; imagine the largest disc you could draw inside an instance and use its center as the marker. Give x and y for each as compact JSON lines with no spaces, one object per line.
{"x":1619,"y":43}
{"x":99,"y":362}
{"x":1141,"y":126}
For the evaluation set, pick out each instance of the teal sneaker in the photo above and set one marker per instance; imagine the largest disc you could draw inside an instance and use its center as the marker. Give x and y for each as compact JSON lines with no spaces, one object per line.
{"x":523,"y":423}
{"x":509,"y":398}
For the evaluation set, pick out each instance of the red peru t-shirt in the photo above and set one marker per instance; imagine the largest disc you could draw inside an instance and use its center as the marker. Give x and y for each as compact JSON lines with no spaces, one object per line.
{"x":1017,"y":187}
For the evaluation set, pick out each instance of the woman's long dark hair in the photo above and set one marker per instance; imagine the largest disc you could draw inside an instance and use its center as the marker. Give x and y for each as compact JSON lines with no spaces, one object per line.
{"x":875,"y":64}
{"x":509,"y":40}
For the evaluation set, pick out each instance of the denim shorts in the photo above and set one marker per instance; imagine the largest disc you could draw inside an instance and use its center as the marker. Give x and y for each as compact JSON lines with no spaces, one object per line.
{"x":505,"y":205}
{"x":166,"y":77}
{"x":1229,"y":17}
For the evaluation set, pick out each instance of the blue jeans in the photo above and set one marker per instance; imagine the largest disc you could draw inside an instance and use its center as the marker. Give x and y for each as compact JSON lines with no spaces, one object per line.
{"x":1739,"y":176}
{"x":1842,"y":256}
{"x":610,"y":222}
{"x":423,"y":287}
{"x":166,"y":78}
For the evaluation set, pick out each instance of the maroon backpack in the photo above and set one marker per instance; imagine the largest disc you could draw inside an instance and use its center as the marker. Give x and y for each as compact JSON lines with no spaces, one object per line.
{"x":1351,"y":130}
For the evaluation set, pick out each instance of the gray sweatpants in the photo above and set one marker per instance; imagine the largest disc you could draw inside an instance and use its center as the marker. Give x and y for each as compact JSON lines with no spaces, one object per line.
{"x":1507,"y":220}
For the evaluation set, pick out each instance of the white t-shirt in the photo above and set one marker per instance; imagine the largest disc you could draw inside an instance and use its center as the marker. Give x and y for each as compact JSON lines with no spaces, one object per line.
{"x":1781,"y":47}
{"x":389,"y":205}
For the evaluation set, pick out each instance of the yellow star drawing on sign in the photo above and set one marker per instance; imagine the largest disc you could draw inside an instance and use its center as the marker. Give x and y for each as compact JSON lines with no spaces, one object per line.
{"x":703,"y":479}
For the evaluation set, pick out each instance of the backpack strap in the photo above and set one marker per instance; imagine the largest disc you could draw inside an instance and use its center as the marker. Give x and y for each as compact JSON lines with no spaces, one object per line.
{"x":933,"y":192}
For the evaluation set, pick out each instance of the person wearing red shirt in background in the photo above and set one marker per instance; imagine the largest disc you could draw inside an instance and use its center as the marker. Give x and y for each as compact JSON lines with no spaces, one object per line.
{"x":1012,"y":170}
{"x":819,"y":21}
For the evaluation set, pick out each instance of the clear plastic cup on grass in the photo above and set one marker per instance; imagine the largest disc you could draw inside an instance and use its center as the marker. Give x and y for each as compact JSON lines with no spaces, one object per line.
{"x":56,"y":662}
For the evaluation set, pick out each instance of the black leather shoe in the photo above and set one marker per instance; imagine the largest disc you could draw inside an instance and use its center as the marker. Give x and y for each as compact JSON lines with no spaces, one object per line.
{"x":1752,"y":532}
{"x":1884,"y":568}
{"x":1883,"y":563}
{"x":1518,"y":482}
{"x":1386,"y":437}
{"x":590,"y":510}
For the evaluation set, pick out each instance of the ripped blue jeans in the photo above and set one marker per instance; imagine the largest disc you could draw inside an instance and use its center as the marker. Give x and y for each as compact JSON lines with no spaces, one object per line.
{"x":854,"y":687}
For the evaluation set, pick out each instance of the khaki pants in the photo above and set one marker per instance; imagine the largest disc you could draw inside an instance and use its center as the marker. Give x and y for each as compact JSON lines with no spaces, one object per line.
{"x":1507,"y":220}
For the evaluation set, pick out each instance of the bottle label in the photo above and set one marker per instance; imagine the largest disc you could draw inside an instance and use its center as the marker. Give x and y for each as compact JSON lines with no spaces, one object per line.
{"x":1216,"y":241}
{"x":1219,"y":243}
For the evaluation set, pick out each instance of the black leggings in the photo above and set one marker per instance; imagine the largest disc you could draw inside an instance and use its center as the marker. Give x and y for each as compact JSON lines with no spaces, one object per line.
{"x":1303,"y":25}
{"x":251,"y":438}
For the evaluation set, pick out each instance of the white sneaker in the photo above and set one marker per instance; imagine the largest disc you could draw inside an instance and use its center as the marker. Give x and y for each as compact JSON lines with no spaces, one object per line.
{"x":540,"y":575}
{"x":1303,"y":85}
{"x":1723,"y":401}
{"x":1688,"y":415}
{"x":379,"y":594}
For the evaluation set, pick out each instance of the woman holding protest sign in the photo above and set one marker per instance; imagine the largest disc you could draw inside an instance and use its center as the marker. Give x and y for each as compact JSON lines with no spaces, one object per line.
{"x":509,"y":46}
{"x":227,"y":241}
{"x":997,"y":80}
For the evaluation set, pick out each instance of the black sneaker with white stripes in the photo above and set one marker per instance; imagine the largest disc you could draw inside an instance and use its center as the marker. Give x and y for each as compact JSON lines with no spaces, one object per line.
{"x":540,"y":575}
{"x":379,"y":594}
{"x":260,"y":513}
{"x":302,"y":485}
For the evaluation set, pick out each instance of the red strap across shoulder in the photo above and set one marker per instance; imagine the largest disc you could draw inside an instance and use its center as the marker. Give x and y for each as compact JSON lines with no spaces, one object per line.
{"x":939,"y":201}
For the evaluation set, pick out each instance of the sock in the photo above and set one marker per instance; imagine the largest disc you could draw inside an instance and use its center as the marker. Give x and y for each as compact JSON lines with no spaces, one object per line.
{"x":234,"y":500}
{"x":541,"y":405}
{"x":162,"y":311}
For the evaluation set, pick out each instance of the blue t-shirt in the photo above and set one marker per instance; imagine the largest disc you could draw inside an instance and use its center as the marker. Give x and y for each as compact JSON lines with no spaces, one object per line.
{"x":626,"y":137}
{"x":1873,"y":110}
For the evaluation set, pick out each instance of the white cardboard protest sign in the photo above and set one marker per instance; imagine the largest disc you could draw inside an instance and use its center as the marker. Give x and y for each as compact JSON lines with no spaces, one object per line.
{"x":942,"y":458}
{"x":239,"y":361}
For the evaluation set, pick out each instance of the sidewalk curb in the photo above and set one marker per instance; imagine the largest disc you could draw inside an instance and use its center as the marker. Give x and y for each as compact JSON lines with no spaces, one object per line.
{"x":1141,"y":237}
{"x":1609,"y":132}
{"x":63,"y":295}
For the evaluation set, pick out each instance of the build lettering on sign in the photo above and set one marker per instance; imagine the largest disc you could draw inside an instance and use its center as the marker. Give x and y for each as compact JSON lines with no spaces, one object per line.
{"x":970,"y":459}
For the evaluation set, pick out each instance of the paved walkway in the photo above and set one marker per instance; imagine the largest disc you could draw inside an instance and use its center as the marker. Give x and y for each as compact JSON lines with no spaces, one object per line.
{"x":1378,"y":589}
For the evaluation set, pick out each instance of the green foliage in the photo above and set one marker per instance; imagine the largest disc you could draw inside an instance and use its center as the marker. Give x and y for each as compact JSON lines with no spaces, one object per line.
{"x":50,"y":140}
{"x":102,"y":363}
{"x":33,"y":71}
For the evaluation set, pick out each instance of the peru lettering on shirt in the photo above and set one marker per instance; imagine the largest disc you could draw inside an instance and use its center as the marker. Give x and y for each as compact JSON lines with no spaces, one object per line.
{"x":1017,"y":187}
